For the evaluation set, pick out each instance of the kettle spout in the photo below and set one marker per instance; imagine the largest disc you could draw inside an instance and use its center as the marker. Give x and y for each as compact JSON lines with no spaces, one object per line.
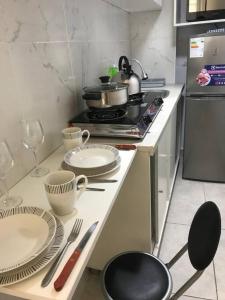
{"x":144,"y":74}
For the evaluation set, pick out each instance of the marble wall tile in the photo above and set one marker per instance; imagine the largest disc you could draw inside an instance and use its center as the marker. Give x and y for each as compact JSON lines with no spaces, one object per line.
{"x":91,"y":60}
{"x":157,"y":62}
{"x":153,"y":41}
{"x":10,"y":110}
{"x":43,"y":68}
{"x":3,"y":28}
{"x":33,"y":20}
{"x":42,"y":74}
{"x":95,"y":21}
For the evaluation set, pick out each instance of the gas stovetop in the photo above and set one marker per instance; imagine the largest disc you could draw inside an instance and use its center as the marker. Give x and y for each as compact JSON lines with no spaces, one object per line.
{"x":132,"y":120}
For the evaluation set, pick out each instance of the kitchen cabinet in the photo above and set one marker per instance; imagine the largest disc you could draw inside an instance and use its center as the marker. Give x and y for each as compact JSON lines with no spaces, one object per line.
{"x":137,"y":219}
{"x":167,"y":158}
{"x":139,"y":213}
{"x":180,"y":15}
{"x":128,"y":226}
{"x":135,"y":6}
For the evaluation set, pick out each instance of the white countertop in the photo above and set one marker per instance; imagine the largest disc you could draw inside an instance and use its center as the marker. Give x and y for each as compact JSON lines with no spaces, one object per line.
{"x":150,"y":141}
{"x":91,"y":207}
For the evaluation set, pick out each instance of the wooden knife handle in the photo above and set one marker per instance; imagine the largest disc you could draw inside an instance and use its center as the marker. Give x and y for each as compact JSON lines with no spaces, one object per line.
{"x":125,"y":147}
{"x":63,"y":276}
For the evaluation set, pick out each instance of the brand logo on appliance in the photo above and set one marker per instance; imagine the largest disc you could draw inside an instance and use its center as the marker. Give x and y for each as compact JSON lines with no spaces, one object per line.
{"x":213,"y":75}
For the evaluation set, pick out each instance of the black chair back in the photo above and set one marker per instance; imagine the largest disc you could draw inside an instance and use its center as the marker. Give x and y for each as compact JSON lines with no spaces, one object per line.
{"x":204,"y":235}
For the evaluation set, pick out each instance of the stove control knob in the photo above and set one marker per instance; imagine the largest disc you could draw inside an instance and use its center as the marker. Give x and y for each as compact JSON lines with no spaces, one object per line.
{"x":158,"y":101}
{"x":147,"y":119}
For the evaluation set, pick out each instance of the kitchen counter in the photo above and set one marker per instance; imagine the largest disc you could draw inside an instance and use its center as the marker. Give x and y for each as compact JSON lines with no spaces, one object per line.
{"x":144,"y":198}
{"x":132,"y":193}
{"x":91,"y":207}
{"x":151,"y":139}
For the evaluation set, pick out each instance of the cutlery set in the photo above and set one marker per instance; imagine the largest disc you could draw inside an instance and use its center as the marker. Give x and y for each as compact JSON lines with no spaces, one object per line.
{"x":67,"y":269}
{"x":48,"y":231}
{"x":65,"y":273}
{"x":71,"y":238}
{"x":60,"y":281}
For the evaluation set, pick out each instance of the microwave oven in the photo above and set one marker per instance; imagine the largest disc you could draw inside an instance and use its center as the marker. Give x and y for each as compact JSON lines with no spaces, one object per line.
{"x":200,"y":10}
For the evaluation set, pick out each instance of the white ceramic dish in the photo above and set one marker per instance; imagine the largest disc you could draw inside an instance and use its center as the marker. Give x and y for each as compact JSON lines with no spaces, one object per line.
{"x":94,"y":172}
{"x":91,"y":156}
{"x":39,"y":263}
{"x":106,"y":172}
{"x":25,"y":232}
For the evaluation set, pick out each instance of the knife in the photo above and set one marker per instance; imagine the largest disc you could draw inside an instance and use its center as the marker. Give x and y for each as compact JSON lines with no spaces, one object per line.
{"x":92,"y":189}
{"x":101,"y":180}
{"x":63,"y":276}
{"x":125,"y":147}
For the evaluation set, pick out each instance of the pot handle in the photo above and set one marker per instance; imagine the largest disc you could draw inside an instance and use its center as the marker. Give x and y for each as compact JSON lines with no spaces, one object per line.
{"x":121,"y":62}
{"x":91,"y":96}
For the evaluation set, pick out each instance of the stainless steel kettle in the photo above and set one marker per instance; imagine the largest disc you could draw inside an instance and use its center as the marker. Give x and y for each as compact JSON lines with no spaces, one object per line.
{"x":128,"y":76}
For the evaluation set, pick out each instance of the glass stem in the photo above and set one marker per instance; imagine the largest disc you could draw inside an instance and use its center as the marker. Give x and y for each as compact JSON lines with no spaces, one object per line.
{"x":35,"y":159}
{"x":5,"y":190}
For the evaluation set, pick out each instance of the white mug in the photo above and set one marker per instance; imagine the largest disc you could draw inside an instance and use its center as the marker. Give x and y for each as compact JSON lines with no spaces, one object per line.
{"x":61,"y":190}
{"x":73,"y":137}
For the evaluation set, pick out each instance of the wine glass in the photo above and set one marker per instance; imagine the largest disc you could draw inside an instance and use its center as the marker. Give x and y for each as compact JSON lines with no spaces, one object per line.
{"x":33,"y":138}
{"x":7,"y":163}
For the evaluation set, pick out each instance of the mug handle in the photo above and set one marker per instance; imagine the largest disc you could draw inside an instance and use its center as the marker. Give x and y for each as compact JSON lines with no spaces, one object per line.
{"x":88,"y":136}
{"x":77,"y":179}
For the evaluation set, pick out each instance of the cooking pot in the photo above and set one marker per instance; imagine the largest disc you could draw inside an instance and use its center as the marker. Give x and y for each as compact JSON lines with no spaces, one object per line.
{"x":106,"y":95}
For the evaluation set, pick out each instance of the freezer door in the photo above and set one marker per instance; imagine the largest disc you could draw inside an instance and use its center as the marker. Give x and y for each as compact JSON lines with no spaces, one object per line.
{"x":206,"y":61}
{"x":204,"y":139}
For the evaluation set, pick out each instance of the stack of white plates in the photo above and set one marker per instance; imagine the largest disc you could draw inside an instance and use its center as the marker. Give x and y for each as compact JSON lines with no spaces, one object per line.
{"x":30,"y":238}
{"x":92,"y":160}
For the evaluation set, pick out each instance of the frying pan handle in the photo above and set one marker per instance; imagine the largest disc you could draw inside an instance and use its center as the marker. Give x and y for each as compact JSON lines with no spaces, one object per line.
{"x":121,"y":62}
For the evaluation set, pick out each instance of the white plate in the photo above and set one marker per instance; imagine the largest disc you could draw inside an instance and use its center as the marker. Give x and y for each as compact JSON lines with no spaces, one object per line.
{"x":25,"y":232}
{"x":91,"y":156}
{"x":107,"y":172}
{"x":39,"y":263}
{"x":93,"y":172}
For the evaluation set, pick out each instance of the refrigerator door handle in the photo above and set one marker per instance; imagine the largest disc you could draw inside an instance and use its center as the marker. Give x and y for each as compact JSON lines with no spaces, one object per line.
{"x":200,"y":95}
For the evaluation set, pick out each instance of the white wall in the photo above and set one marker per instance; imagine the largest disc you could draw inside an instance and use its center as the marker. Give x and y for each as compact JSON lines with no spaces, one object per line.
{"x":153,"y":41}
{"x":49,"y":50}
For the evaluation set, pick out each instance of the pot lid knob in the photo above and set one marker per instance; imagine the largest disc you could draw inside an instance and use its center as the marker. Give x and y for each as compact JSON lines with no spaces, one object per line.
{"x":104,"y":79}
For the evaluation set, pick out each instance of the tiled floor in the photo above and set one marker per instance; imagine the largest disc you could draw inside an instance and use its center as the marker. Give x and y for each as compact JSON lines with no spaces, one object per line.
{"x":187,"y":197}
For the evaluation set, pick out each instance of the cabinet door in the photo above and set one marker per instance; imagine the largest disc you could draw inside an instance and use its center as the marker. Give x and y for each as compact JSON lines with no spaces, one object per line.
{"x":167,"y":164}
{"x":163,"y":178}
{"x":172,"y":129}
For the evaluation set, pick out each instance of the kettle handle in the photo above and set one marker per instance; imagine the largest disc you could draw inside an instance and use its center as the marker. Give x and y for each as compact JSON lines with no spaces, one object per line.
{"x":120,"y":65}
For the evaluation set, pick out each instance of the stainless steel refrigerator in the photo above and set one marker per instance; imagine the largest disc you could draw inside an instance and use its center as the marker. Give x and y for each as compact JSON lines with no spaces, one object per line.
{"x":204,"y":133}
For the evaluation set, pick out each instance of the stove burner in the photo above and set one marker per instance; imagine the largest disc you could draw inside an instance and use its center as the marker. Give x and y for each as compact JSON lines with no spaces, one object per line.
{"x":106,"y":115}
{"x":135,"y":99}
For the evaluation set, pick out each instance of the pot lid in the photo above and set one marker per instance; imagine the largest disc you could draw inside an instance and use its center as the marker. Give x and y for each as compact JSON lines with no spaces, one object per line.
{"x":109,"y":87}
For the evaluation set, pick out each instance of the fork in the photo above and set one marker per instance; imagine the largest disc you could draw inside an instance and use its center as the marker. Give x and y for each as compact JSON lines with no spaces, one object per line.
{"x":71,"y":238}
